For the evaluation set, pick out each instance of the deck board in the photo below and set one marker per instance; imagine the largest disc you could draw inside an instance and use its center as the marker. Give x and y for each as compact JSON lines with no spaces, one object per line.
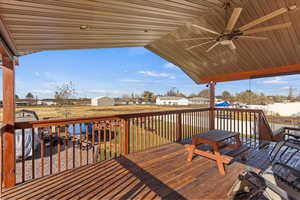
{"x":161,"y":172}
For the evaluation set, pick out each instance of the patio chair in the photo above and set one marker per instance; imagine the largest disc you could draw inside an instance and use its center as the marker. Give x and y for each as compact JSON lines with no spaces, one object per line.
{"x":280,"y":181}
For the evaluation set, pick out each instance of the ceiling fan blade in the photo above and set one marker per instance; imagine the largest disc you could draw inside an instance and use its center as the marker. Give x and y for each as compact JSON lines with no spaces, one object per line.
{"x":213,"y":46}
{"x":206,"y":29}
{"x":267,"y":28}
{"x":233,"y":19}
{"x":191,"y":39}
{"x":264,"y":18}
{"x":252,"y":37}
{"x":198,"y":45}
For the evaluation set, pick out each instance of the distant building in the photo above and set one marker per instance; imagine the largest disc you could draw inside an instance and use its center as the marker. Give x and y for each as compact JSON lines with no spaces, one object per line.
{"x":102,"y":101}
{"x":24,"y":102}
{"x":47,"y":102}
{"x":174,"y":101}
{"x":198,"y":101}
{"x":26,"y":115}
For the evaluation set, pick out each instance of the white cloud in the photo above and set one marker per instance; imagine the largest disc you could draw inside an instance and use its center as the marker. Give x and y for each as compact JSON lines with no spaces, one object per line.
{"x":37,"y":74}
{"x":52,"y":84}
{"x":158,"y":75}
{"x":287,"y":88}
{"x":170,"y":66}
{"x":131,"y":80}
{"x":276,"y":80}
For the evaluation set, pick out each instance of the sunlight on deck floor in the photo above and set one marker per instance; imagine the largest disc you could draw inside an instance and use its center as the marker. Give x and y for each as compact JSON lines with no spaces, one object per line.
{"x":161,"y":172}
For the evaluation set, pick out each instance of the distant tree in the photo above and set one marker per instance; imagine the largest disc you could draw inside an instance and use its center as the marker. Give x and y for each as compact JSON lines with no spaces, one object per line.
{"x":125,"y":96}
{"x":148,"y":96}
{"x":249,"y":97}
{"x":173,"y":92}
{"x":133,"y":96}
{"x":193,"y":95}
{"x":204,"y":93}
{"x":62,"y":95}
{"x":17,"y":97}
{"x":29,"y":96}
{"x":226,"y":96}
{"x":64,"y":92}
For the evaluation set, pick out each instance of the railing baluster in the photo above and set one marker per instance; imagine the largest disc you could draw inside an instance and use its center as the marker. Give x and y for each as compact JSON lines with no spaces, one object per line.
{"x":152,"y":131}
{"x":42,"y":152}
{"x":33,"y":154}
{"x":121,"y":133}
{"x":73,"y":141}
{"x":80,"y":144}
{"x":110,"y":140}
{"x":87,"y":142}
{"x":149,"y":131}
{"x":136,"y":134}
{"x":59,"y":149}
{"x":23,"y":156}
{"x":115,"y":140}
{"x":105,"y":138}
{"x":93,"y":142}
{"x":156,"y":130}
{"x":51,"y":149}
{"x":66,"y":144}
{"x":99,"y":142}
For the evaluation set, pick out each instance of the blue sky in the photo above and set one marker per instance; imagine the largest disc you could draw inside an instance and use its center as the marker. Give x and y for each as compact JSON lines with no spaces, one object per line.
{"x":119,"y":71}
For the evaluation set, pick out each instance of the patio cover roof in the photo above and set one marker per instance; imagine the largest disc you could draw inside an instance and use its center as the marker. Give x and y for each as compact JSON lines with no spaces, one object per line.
{"x":28,"y":26}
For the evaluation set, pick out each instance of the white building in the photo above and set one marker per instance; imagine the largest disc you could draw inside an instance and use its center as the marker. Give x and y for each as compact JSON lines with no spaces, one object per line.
{"x":283,"y":109}
{"x":174,"y":101}
{"x":102,"y":101}
{"x":47,"y":102}
{"x":198,"y":100}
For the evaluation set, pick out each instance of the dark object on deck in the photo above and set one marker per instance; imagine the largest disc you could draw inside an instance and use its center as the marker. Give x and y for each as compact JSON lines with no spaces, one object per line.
{"x":253,"y":186}
{"x":26,"y":115}
{"x":280,"y":180}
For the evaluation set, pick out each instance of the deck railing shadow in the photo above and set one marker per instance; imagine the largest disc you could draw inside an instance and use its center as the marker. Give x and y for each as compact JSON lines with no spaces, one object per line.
{"x":147,"y":181}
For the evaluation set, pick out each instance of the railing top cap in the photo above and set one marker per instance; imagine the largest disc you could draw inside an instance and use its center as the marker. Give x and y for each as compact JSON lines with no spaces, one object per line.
{"x":42,"y":123}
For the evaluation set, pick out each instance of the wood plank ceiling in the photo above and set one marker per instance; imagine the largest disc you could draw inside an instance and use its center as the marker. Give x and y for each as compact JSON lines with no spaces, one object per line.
{"x":38,"y":25}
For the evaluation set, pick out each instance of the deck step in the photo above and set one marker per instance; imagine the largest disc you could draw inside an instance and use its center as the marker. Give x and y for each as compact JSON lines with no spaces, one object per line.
{"x":236,"y":152}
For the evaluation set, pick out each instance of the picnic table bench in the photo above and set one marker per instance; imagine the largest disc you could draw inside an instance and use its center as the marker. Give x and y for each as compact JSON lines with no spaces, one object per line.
{"x":218,"y":139}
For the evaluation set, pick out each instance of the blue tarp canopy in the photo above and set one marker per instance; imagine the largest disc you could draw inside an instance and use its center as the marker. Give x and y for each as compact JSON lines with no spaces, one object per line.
{"x":223,"y":104}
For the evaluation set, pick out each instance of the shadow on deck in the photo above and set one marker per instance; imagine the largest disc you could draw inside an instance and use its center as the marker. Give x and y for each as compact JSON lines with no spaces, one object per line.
{"x":161,"y":172}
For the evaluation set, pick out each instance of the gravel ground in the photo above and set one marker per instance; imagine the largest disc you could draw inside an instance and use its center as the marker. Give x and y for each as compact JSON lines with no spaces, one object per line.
{"x":38,"y":162}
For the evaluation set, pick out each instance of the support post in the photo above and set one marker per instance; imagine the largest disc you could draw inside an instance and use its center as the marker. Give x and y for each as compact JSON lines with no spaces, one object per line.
{"x":212,"y":105}
{"x":126,"y":137}
{"x":179,"y":129}
{"x":8,"y":86}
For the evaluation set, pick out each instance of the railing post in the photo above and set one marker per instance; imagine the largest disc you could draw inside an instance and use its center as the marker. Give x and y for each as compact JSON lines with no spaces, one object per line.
{"x":212,"y":105}
{"x":179,"y":128}
{"x":8,"y":87}
{"x":265,"y":132}
{"x":126,"y":136}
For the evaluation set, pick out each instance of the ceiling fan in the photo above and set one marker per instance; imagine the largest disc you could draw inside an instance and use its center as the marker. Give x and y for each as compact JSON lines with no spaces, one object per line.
{"x":244,"y":32}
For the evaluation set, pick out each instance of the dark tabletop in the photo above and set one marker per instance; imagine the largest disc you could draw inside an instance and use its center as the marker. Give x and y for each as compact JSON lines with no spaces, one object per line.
{"x":217,"y":135}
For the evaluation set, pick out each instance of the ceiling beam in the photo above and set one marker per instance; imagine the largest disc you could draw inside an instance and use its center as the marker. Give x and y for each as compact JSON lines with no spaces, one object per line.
{"x":260,"y":73}
{"x":7,"y":45}
{"x":5,"y":50}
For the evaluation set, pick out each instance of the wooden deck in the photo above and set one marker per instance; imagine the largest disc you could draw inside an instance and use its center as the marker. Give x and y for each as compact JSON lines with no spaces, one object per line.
{"x":161,"y":172}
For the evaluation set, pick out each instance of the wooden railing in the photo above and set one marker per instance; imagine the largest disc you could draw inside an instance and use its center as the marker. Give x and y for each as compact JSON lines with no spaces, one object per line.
{"x":59,"y":145}
{"x":249,"y":123}
{"x":51,"y":146}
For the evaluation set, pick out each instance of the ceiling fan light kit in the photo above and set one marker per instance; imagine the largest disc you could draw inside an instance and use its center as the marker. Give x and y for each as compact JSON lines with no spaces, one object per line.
{"x":231,"y":33}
